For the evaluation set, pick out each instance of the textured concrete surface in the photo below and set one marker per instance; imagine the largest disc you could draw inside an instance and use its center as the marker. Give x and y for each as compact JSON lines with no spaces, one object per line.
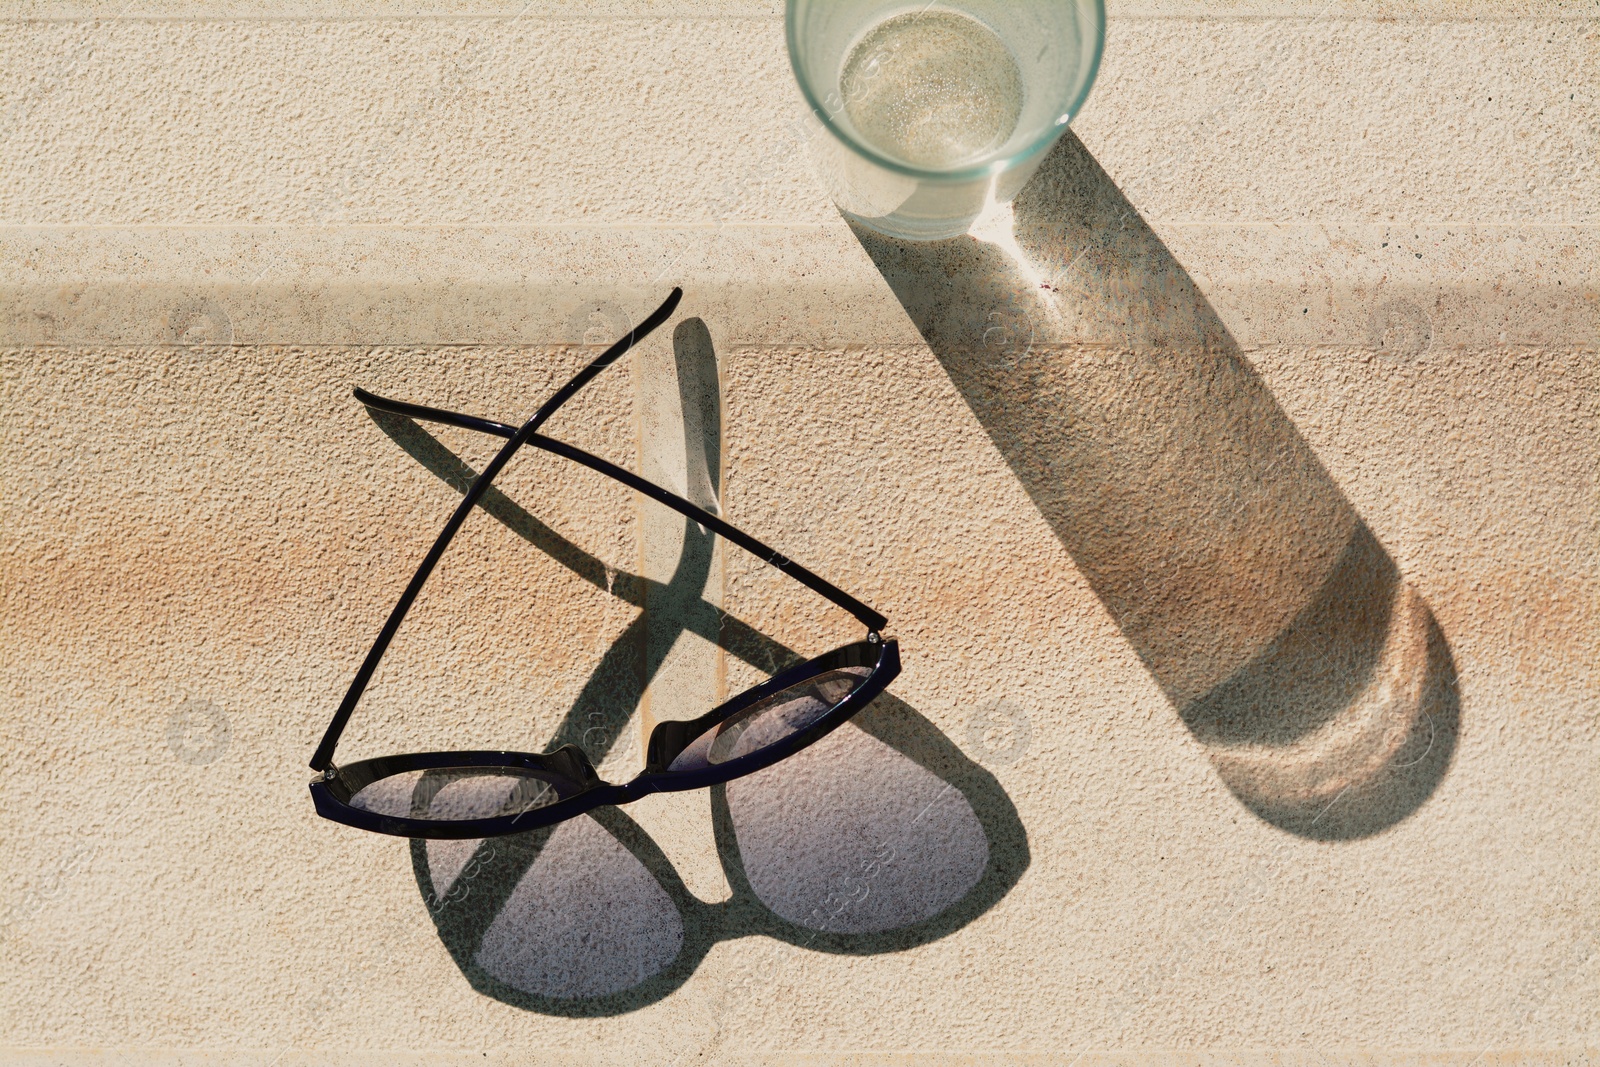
{"x":1234,"y":500}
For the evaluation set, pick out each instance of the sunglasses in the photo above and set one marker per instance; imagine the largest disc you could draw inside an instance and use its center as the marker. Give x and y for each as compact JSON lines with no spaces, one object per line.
{"x":476,"y":794}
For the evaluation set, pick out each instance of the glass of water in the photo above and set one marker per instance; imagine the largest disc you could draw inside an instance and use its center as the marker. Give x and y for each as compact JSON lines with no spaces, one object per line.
{"x":927,"y":114}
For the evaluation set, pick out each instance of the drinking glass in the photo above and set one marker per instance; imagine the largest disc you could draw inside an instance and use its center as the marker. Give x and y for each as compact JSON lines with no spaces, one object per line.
{"x":925,"y":115}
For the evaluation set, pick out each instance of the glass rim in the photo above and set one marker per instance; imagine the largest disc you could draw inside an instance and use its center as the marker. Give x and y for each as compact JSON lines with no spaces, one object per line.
{"x":987,"y":169}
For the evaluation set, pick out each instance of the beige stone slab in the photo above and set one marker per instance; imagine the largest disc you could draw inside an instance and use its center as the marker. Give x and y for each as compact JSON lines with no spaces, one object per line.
{"x":136,"y":1057}
{"x":538,"y":121}
{"x":1407,"y":10}
{"x":1439,"y":286}
{"x":1155,"y":908}
{"x":1234,"y":506}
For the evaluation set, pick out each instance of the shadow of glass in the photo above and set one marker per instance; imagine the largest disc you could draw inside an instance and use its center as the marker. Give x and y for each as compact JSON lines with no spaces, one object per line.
{"x":881,"y":836}
{"x":1270,"y":615}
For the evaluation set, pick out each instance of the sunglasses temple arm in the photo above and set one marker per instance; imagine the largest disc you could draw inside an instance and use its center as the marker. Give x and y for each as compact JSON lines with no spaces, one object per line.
{"x":869,"y":618}
{"x":427,"y":414}
{"x":322,"y":760}
{"x":606,"y":358}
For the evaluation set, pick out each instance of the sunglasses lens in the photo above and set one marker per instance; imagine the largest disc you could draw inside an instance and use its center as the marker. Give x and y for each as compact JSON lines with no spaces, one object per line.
{"x":453,"y":794}
{"x":771,"y":720}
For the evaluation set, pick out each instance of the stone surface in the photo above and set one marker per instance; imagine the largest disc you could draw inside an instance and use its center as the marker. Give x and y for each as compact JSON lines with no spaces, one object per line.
{"x":1234,"y":500}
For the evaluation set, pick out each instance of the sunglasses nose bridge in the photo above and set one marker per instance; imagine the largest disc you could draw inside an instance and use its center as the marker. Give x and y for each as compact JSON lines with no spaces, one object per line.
{"x":574,"y":763}
{"x":638,"y":789}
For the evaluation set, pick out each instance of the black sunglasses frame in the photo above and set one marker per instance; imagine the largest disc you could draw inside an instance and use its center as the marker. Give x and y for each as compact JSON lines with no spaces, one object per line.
{"x":568,"y":769}
{"x":577,"y":785}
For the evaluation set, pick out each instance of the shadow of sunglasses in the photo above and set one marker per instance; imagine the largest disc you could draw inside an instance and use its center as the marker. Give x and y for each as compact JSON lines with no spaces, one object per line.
{"x":878,"y":838}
